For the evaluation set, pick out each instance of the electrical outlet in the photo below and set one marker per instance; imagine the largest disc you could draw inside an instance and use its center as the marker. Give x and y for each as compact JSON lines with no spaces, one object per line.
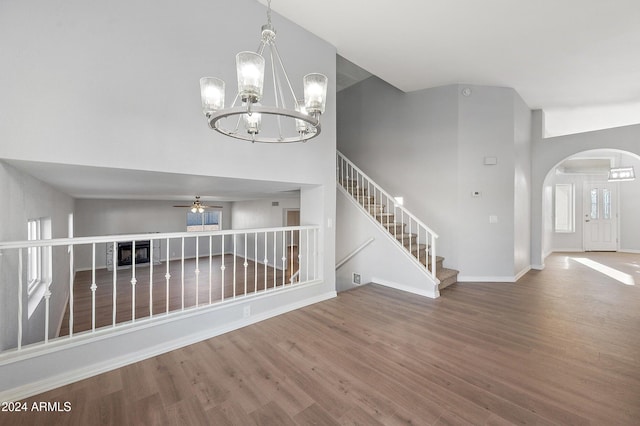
{"x":356,"y":279}
{"x":246,"y":312}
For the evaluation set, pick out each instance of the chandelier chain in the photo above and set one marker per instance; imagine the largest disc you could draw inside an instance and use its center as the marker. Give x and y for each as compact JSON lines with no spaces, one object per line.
{"x":269,"y":12}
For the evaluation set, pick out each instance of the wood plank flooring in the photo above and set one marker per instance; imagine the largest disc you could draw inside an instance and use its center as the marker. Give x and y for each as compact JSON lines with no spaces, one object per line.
{"x":560,"y":347}
{"x":82,"y":306}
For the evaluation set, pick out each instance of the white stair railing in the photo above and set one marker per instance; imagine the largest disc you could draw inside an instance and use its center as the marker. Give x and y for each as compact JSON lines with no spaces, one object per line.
{"x":258,"y":258}
{"x":408,"y":231}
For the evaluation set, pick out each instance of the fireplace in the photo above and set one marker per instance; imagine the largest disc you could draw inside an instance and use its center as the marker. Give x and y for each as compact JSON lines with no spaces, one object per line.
{"x":126,"y":255}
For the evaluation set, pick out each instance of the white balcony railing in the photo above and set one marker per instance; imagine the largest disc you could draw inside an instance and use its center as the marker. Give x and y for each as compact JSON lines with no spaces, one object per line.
{"x":409,"y":232}
{"x":181,"y":272}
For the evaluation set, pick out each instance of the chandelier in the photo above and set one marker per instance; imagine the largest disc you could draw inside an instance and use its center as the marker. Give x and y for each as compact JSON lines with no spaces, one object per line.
{"x":244,"y":118}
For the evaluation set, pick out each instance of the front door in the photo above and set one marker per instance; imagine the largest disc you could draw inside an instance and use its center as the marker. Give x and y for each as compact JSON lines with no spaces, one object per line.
{"x":600,"y":230}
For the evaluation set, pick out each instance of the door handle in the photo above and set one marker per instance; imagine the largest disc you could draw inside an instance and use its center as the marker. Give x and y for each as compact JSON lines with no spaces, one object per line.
{"x":587,"y":220}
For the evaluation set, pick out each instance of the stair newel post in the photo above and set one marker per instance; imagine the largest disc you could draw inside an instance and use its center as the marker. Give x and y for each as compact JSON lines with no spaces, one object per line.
{"x":433,"y":257}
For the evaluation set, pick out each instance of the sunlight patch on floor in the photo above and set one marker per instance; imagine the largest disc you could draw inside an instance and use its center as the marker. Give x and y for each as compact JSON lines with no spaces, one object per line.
{"x":624,"y":278}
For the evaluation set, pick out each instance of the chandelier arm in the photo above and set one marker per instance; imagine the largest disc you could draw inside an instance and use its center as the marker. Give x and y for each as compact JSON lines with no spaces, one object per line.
{"x":284,"y":71}
{"x":275,"y":92}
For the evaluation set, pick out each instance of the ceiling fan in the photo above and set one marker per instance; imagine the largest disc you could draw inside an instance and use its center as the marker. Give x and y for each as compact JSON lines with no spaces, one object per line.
{"x":198,"y":207}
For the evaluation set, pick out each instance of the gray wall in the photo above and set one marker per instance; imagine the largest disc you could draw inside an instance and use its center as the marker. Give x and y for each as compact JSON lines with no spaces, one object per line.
{"x":628,"y":210}
{"x":22,"y":198}
{"x":429,"y":146}
{"x":547,"y":153}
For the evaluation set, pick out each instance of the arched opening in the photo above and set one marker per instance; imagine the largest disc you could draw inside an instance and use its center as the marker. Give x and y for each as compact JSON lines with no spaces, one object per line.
{"x":582,"y":211}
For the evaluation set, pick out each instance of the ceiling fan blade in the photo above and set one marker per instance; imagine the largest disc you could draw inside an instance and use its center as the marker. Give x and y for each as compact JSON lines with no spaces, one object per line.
{"x":190,"y":205}
{"x":211,"y":207}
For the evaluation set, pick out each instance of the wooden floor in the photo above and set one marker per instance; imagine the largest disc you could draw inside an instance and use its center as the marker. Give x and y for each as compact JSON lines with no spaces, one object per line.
{"x":562,"y":346}
{"x":82,"y":306}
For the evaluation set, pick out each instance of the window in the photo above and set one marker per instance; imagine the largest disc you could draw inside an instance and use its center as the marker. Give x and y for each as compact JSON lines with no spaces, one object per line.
{"x":207,"y":221}
{"x":39,"y":264}
{"x":565,"y":208}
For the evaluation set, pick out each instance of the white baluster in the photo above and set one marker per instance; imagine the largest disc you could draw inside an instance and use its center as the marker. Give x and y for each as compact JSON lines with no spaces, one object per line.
{"x":245,"y":264}
{"x":255,"y":262}
{"x":47,"y":296}
{"x":210,"y":265}
{"x":266,"y":260}
{"x":235,"y":248}
{"x":71,"y":297}
{"x":307,"y":254}
{"x":197,"y":271}
{"x":433,"y":257}
{"x":284,"y":256}
{"x":275,"y":263}
{"x":151,"y":280}
{"x":134,"y":281}
{"x":182,"y":274}
{"x":222,"y":268}
{"x":167,"y":277}
{"x":20,"y":284}
{"x":115,"y":278}
{"x":93,"y":287}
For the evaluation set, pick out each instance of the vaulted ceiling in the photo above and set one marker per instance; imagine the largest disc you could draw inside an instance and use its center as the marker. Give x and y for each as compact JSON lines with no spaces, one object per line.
{"x":555,"y":54}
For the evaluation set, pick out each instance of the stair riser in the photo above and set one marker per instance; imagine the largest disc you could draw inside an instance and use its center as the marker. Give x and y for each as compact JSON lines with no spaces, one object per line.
{"x":385,"y":219}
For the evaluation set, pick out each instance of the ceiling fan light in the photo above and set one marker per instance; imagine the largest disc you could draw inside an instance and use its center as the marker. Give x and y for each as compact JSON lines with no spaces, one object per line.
{"x":194,"y":209}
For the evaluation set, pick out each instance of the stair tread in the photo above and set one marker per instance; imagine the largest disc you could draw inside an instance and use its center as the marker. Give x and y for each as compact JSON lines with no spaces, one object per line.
{"x":444,"y":273}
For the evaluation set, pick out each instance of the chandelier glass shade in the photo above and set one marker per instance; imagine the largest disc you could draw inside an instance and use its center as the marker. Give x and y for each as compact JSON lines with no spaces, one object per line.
{"x":288,"y":119}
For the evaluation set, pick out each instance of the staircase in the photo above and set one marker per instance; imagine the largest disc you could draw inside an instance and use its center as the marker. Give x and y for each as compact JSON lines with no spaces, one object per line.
{"x":409,"y":232}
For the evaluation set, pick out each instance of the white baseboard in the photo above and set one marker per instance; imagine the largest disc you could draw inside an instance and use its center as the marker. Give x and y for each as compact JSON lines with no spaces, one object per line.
{"x":538,"y":267}
{"x":486,"y":279}
{"x":567,"y":250}
{"x":629,"y":251}
{"x":522,"y":273}
{"x":34,"y":388}
{"x":421,"y":292}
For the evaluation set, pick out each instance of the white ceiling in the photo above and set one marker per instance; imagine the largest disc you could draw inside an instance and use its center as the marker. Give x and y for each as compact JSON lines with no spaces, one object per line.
{"x":555,"y":54}
{"x":110,"y":183}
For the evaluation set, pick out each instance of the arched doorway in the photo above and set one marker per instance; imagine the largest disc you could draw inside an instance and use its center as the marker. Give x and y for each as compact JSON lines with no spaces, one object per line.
{"x":582,"y":211}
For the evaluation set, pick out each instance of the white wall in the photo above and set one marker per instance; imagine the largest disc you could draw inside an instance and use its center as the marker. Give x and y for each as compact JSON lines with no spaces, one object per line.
{"x":522,"y":187}
{"x":121,"y":89}
{"x":429,"y":146}
{"x":23,"y":198}
{"x":117,"y":85}
{"x":382,"y":261}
